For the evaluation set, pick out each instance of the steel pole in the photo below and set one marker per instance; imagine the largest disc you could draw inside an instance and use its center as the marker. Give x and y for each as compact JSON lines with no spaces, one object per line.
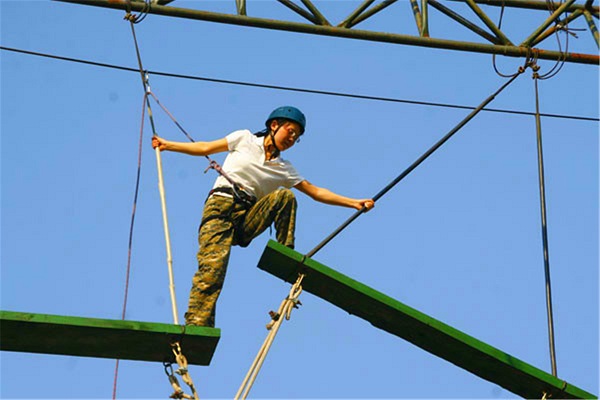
{"x":506,"y":50}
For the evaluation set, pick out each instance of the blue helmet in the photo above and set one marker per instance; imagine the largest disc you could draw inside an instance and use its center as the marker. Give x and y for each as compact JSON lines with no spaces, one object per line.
{"x":289,"y":113}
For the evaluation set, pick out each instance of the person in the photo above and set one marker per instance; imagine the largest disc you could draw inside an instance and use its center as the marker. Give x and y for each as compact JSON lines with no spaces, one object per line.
{"x":251,"y":194}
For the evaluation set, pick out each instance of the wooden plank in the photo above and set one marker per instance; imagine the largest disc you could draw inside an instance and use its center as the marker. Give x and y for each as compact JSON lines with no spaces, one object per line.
{"x":419,"y":329}
{"x":104,"y":338}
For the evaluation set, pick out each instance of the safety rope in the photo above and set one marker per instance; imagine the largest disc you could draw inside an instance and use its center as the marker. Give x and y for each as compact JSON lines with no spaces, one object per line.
{"x":538,"y":128}
{"x":284,"y":311}
{"x":130,"y":242}
{"x":532,"y":59}
{"x":134,"y":19}
{"x":212,"y":164}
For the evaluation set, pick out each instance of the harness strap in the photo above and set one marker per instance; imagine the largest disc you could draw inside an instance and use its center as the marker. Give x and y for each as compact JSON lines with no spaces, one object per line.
{"x":238,"y":195}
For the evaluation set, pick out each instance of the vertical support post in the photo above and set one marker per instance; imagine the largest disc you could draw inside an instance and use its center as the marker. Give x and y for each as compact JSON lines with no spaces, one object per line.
{"x":538,"y":126}
{"x":425,"y":18}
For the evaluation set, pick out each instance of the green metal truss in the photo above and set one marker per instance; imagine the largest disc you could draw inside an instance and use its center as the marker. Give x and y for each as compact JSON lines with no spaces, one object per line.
{"x":488,"y":37}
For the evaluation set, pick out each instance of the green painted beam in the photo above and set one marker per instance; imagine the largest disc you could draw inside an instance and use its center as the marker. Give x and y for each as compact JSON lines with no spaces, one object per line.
{"x":104,"y":338}
{"x":419,"y":329}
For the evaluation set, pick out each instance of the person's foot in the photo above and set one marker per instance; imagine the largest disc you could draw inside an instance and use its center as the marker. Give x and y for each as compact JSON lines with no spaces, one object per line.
{"x":191,"y":320}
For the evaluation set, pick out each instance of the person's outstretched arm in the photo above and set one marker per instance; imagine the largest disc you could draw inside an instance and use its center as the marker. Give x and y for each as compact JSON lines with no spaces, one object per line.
{"x":191,"y":148}
{"x":328,"y":197}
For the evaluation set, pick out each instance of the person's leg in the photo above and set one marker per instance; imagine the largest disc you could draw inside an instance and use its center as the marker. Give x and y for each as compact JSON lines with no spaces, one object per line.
{"x":214,"y":239}
{"x":278,"y":207}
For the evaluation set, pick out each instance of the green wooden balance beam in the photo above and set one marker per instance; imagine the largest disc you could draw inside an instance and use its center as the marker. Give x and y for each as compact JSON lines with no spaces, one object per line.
{"x":105,"y":338}
{"x":419,"y":329}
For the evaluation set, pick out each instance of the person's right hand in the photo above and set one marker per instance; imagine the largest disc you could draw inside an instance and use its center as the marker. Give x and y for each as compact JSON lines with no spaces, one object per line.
{"x":159,"y":142}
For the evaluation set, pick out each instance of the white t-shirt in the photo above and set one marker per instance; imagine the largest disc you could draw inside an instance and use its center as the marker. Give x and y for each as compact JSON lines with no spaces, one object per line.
{"x":246,"y":165}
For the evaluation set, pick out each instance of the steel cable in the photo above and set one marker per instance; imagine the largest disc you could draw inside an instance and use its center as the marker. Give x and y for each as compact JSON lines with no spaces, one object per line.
{"x":295,"y":89}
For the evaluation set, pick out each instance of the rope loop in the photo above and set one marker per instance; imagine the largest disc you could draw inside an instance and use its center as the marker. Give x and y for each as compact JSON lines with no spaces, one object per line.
{"x":286,"y":307}
{"x":136,"y":19}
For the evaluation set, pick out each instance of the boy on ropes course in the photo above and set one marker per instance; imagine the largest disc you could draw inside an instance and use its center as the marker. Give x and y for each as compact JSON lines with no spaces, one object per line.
{"x":251,"y":193}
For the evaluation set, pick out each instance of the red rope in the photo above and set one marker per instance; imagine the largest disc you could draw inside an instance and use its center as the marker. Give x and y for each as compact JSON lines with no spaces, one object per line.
{"x":128,"y":269}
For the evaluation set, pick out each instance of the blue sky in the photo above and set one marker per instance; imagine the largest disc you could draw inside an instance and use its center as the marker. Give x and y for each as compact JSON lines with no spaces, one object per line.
{"x":459,"y":239}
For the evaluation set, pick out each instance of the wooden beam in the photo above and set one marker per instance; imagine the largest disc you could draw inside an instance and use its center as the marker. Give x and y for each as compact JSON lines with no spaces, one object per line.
{"x":104,"y":338}
{"x":419,"y":329}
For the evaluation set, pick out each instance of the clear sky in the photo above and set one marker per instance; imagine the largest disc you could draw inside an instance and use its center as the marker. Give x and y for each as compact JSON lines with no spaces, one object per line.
{"x":459,"y":239}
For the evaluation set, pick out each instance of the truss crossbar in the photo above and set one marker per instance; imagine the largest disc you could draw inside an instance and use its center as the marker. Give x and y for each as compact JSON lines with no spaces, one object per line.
{"x":417,"y":328}
{"x":335,"y":31}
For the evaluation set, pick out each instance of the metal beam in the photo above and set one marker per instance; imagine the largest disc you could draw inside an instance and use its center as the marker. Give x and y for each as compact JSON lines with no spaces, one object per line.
{"x":418,"y":18}
{"x":557,"y":27}
{"x":463,"y":21}
{"x":532,"y":4}
{"x":592,"y":25}
{"x":506,"y":50}
{"x":372,"y":11}
{"x":552,"y":18}
{"x":488,"y":22}
{"x":348,"y":21}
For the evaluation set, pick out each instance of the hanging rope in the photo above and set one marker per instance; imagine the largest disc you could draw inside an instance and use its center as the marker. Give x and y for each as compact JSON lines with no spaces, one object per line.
{"x":285,"y":310}
{"x":532,"y":52}
{"x":134,"y":19}
{"x":130,"y":242}
{"x":176,"y":348}
{"x":532,"y":60}
{"x":538,"y":128}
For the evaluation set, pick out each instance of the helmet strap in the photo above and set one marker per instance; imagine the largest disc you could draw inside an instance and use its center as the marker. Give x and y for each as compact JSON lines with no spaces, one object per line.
{"x":272,"y":136}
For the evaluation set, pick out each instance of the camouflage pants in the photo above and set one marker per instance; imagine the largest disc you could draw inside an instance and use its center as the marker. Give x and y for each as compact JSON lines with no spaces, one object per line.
{"x":226,"y":223}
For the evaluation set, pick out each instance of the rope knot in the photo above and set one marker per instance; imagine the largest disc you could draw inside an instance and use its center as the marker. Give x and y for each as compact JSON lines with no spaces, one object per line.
{"x":130,"y":17}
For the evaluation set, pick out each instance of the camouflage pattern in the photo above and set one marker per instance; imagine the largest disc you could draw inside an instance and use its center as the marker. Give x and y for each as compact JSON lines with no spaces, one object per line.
{"x":226,"y":223}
